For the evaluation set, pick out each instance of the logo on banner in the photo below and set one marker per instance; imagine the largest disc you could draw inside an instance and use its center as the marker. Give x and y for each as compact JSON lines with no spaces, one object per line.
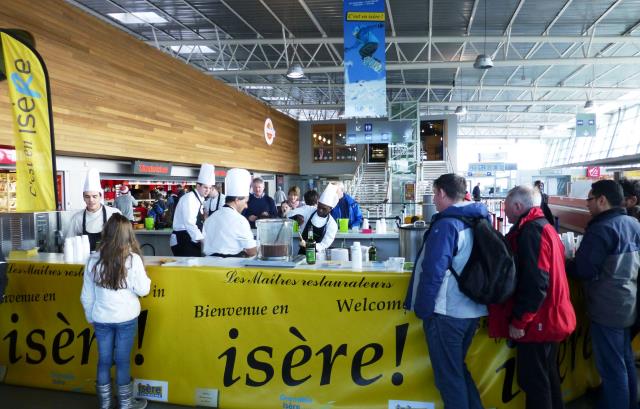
{"x":151,"y":390}
{"x":269,"y":131}
{"x":593,"y":171}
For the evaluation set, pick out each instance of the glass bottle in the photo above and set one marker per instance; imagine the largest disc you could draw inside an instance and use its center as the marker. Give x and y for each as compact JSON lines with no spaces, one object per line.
{"x":310,"y":251}
{"x":373,"y":252}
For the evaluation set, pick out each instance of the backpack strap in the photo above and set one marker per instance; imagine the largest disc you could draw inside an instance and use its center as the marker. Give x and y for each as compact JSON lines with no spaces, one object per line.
{"x":469,"y":221}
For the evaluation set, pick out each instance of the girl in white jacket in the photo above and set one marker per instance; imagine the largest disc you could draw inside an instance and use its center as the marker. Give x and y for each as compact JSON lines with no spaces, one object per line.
{"x":114,"y":278}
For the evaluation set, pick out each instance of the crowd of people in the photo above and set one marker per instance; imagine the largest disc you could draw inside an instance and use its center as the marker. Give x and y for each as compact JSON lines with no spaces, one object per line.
{"x":539,"y":314}
{"x":535,"y":319}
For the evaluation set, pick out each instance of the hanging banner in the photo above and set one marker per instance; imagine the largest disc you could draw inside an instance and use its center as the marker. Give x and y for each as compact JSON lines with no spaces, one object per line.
{"x":28,"y":85}
{"x":259,"y":338}
{"x":365,"y":77}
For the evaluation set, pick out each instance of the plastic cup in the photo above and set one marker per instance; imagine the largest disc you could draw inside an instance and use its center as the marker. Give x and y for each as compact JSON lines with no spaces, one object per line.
{"x":149,"y":223}
{"x":395,"y":264}
{"x":343,"y":225}
{"x":296,"y":227}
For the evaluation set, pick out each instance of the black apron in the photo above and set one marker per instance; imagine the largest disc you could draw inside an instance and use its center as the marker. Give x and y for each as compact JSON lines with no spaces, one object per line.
{"x":186,"y":247}
{"x":217,"y":206}
{"x":318,"y":232}
{"x":94,"y":238}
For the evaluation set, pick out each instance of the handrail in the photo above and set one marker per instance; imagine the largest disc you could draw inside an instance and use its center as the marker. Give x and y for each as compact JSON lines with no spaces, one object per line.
{"x":357,"y":176}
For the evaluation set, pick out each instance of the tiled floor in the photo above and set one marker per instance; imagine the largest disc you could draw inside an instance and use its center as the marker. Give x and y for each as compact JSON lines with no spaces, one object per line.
{"x":16,"y":397}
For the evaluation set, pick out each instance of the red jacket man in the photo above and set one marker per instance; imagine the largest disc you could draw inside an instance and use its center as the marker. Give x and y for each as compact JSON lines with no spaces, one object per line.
{"x":540,"y":314}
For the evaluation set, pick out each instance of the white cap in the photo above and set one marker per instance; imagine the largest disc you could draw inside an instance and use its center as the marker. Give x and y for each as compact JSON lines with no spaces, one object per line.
{"x":330,"y":196}
{"x":237,"y":182}
{"x":92,"y":182}
{"x":207,"y":175}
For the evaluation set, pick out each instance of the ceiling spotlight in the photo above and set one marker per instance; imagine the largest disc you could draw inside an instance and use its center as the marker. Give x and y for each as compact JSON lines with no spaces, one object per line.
{"x":483,"y":62}
{"x":295,"y":72}
{"x":589,"y":104}
{"x":460,"y":110}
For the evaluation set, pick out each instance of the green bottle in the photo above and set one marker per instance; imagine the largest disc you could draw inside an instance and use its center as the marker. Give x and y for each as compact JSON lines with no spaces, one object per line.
{"x":373,"y":252}
{"x":310,"y":251}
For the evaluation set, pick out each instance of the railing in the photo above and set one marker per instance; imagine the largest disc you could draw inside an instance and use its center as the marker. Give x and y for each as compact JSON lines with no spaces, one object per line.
{"x":357,"y":176}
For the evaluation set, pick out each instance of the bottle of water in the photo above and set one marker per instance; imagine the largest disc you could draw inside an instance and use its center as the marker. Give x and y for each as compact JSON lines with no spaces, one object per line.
{"x":356,"y":256}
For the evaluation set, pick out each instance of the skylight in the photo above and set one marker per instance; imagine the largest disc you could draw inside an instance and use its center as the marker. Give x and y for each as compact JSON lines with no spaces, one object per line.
{"x":189,"y":49}
{"x":138,"y":17}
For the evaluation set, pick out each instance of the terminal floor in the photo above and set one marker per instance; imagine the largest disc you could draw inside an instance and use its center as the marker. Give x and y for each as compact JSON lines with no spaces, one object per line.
{"x":18,"y":397}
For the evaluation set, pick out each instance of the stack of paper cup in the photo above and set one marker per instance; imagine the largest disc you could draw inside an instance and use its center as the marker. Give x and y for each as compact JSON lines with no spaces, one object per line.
{"x":339,"y":255}
{"x":68,"y":250}
{"x":86,"y":247}
{"x":381,"y":226}
{"x":77,"y":249}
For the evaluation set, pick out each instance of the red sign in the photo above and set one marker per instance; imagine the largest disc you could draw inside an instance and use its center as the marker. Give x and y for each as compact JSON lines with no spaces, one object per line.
{"x":7,"y":156}
{"x":593,"y":172}
{"x":151,"y":168}
{"x":269,"y":131}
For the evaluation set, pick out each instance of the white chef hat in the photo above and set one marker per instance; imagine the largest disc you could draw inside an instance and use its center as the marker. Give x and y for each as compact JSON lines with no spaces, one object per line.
{"x":92,"y":182}
{"x":207,"y":175}
{"x":237,"y":182}
{"x":330,"y":195}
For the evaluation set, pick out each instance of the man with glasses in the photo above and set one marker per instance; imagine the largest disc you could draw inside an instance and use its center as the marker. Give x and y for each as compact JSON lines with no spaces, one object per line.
{"x":607,"y":261}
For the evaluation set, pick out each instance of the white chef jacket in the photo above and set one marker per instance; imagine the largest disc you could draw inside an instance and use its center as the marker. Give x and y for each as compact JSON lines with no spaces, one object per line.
{"x":227,"y":232}
{"x":186,"y":215}
{"x":94,"y":221}
{"x":114,"y":306}
{"x":319,"y":222}
{"x":211,"y":202}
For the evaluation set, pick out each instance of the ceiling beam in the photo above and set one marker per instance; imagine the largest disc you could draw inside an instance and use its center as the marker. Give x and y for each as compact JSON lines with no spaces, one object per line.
{"x":443,"y":65}
{"x":411,"y":40}
{"x":252,"y":85}
{"x":512,"y":137}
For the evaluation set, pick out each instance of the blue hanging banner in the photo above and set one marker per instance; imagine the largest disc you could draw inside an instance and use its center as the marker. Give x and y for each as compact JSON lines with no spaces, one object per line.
{"x":365,"y":77}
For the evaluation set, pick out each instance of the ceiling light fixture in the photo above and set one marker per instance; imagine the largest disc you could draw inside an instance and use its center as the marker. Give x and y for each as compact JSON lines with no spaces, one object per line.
{"x":460,"y":109}
{"x":589,"y":104}
{"x":295,"y":72}
{"x":483,"y":61}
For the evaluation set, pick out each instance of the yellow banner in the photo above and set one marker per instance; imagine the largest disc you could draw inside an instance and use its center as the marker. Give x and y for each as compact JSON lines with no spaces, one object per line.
{"x":28,"y":91}
{"x":252,"y":338}
{"x":365,"y":16}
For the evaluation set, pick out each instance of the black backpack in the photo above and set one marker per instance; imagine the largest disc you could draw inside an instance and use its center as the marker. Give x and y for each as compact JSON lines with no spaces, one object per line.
{"x":489,"y":277}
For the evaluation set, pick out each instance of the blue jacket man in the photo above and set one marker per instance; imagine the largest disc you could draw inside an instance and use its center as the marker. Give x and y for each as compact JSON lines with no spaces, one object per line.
{"x":449,"y":317}
{"x":607,"y":261}
{"x":347,"y":208}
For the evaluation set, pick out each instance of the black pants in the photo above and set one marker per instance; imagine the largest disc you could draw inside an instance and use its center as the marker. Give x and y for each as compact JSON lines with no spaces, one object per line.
{"x":185,"y":247}
{"x":538,"y":375}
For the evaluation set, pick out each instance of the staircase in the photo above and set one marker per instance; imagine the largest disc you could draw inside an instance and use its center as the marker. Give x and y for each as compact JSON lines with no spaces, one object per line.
{"x":431,"y":170}
{"x":372,"y":189}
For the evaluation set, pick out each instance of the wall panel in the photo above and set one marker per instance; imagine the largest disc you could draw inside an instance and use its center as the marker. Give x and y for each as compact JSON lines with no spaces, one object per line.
{"x":115,"y":96}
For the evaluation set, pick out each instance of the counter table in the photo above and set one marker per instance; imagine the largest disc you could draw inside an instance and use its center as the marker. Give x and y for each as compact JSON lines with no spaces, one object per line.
{"x":215,"y":333}
{"x":156,"y":242}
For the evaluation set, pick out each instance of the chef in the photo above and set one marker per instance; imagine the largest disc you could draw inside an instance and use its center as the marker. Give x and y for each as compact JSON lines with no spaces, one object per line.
{"x":95,"y":215}
{"x":321,"y":222}
{"x":227,"y":233}
{"x":215,"y":201}
{"x":189,"y":216}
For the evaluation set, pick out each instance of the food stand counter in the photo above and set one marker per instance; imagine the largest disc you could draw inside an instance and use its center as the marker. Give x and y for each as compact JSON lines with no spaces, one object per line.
{"x":216,"y":333}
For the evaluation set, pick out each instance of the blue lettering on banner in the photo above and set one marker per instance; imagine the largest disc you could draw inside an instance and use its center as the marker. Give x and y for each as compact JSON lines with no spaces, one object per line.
{"x":368,"y":127}
{"x":22,"y":86}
